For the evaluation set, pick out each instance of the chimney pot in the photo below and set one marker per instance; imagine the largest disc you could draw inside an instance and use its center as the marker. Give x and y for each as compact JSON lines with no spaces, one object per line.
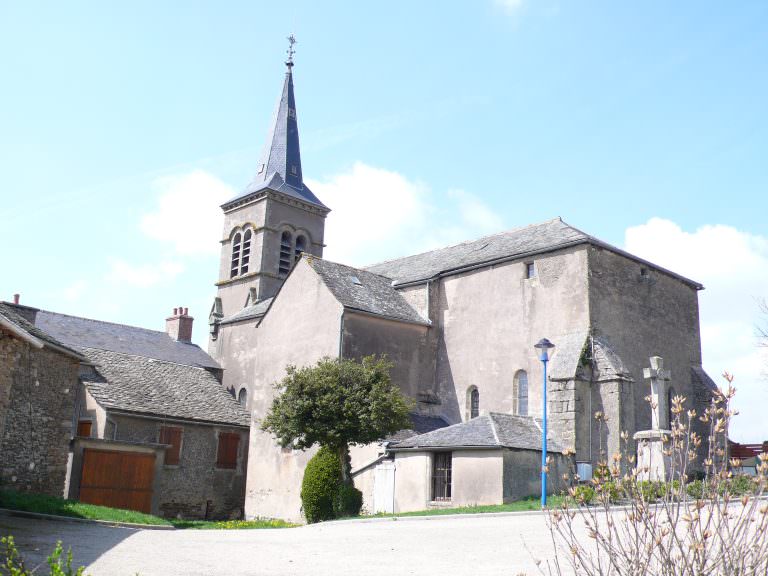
{"x":186,"y":311}
{"x":175,"y":311}
{"x":16,"y":298}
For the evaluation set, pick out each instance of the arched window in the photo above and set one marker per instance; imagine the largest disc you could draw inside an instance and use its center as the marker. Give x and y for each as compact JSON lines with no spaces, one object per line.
{"x":301,"y":245}
{"x":242,"y":396}
{"x":246,"y":253}
{"x":473,"y":403}
{"x":235,"y":269}
{"x":285,"y":254}
{"x":520,"y":389}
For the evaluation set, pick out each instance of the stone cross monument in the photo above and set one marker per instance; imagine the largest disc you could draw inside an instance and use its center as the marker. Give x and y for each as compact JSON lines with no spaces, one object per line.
{"x":652,"y":463}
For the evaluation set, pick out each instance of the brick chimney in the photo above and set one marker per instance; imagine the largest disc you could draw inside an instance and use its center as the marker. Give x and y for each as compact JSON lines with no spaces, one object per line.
{"x":179,"y":326}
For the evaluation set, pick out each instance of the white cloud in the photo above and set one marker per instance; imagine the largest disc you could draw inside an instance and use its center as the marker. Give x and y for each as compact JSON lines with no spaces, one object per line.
{"x":188,"y":214}
{"x":733,"y":266}
{"x":74,"y":291}
{"x":143,"y":275}
{"x":509,"y":6}
{"x":379,"y":214}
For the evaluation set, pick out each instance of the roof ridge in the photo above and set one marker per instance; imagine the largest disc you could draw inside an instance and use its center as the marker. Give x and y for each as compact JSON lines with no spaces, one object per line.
{"x":515,"y":229}
{"x":311,"y":257}
{"x":493,"y":428}
{"x":112,"y":323}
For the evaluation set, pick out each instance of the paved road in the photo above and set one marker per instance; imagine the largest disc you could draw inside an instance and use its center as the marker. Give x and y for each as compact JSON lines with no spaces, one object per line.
{"x":488,"y":544}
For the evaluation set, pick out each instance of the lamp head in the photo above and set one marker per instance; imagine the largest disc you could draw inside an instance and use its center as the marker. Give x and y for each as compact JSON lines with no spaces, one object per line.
{"x":544,"y":346}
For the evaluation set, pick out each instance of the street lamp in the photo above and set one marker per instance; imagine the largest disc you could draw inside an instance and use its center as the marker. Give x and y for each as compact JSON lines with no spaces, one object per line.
{"x":544,"y":346}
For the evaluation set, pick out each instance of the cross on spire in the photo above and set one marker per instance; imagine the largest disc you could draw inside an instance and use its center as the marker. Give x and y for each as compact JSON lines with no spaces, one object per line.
{"x":290,"y":51}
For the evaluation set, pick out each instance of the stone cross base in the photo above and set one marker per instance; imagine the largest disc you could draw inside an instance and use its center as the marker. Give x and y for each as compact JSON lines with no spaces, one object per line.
{"x":652,"y":464}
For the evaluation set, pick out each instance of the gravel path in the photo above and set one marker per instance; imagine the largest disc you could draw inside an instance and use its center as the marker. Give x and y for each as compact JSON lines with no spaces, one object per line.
{"x":478,"y":545}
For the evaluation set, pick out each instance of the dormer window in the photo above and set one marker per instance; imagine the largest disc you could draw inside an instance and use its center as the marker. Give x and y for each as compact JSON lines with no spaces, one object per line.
{"x":301,"y":246}
{"x":284,"y":265}
{"x":235,"y":267}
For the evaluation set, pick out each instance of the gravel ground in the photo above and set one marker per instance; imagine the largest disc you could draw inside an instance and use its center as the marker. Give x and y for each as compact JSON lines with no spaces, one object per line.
{"x":478,"y":545}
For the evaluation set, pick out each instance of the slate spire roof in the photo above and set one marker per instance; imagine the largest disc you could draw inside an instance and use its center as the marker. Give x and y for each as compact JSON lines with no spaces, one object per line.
{"x":279,"y":166}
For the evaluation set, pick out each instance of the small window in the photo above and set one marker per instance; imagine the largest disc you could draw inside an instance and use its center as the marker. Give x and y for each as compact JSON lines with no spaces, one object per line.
{"x":242,"y":396}
{"x":520,"y":391}
{"x":643,"y":271}
{"x":530,"y":270}
{"x":301,"y":246}
{"x":294,"y":170}
{"x":473,"y":403}
{"x":441,"y":476}
{"x":245,"y":257}
{"x":235,"y":268}
{"x":84,"y":428}
{"x":171,"y":435}
{"x":284,"y":265}
{"x":226,"y":456}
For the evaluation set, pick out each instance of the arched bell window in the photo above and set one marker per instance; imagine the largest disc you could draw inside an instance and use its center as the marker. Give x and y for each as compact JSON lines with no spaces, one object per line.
{"x":520,"y":391}
{"x":242,"y":396}
{"x":301,"y":246}
{"x":284,"y":265}
{"x":236,"y":245}
{"x":473,"y":402}
{"x":245,"y":257}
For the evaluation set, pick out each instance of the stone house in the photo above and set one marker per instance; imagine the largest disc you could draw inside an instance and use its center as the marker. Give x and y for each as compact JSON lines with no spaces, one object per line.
{"x":155,"y":429}
{"x":38,"y":387}
{"x":459,"y":323}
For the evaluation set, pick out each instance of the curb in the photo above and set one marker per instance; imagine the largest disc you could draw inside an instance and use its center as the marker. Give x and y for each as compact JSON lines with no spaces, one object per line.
{"x":110,"y":523}
{"x":436,"y":517}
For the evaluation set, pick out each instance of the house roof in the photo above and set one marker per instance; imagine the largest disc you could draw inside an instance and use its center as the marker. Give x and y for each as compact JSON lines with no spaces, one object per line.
{"x":364,"y":291}
{"x":84,"y":333}
{"x":494,"y":430}
{"x":148,"y":386}
{"x":516,"y":243}
{"x":22,"y":328}
{"x":279,"y":166}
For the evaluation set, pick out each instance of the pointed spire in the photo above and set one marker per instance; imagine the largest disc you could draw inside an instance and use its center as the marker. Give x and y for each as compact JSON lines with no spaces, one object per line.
{"x":279,"y":166}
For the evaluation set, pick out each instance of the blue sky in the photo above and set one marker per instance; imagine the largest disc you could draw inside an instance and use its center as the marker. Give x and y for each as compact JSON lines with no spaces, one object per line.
{"x":122,"y":125}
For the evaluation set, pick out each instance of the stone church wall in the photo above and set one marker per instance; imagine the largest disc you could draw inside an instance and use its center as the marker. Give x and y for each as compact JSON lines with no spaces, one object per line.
{"x":489,"y":319}
{"x":37,"y":397}
{"x":643,"y":312}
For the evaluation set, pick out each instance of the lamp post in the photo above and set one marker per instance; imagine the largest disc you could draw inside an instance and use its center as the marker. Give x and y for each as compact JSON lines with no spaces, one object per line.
{"x":544,"y":346}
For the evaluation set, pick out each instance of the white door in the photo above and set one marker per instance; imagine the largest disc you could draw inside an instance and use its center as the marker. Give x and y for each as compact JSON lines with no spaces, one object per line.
{"x":384,"y":487}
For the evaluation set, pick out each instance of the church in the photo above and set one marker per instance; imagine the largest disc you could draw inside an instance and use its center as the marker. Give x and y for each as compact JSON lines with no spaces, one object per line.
{"x":459,"y":323}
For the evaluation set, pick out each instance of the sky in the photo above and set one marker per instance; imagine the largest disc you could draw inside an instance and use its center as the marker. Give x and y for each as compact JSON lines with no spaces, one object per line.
{"x":123,"y":126}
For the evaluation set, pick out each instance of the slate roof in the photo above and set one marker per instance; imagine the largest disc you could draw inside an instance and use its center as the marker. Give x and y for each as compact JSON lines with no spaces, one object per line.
{"x":565,"y":363}
{"x":256,"y":310}
{"x":420,"y":424}
{"x":82,"y":333}
{"x":516,"y":243}
{"x":147,"y":386}
{"x":9,"y":314}
{"x":279,"y":166}
{"x":494,"y":430}
{"x":364,"y":291}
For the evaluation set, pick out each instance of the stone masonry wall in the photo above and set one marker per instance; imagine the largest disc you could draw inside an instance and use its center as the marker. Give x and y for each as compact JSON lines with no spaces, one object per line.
{"x":195,"y":485}
{"x":37,"y":395}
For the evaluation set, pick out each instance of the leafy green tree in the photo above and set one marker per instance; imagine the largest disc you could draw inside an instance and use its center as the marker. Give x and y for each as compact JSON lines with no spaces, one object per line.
{"x":337,"y":403}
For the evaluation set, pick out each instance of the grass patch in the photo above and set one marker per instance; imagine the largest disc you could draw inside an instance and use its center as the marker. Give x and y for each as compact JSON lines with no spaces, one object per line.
{"x":72,"y":509}
{"x":43,"y":504}
{"x":517,"y":506}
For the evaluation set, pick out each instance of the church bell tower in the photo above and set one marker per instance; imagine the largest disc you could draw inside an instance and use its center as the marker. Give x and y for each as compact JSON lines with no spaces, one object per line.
{"x":269,"y":224}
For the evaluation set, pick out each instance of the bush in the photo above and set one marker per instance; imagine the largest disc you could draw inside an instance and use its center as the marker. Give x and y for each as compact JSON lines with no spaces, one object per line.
{"x":695,"y":489}
{"x":321,"y":482}
{"x":348,"y":501}
{"x":14,"y":566}
{"x":741,"y":484}
{"x":583,"y":494}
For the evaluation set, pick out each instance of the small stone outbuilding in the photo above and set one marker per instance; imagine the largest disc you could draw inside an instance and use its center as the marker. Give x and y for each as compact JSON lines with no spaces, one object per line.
{"x":38,"y":386}
{"x":491,"y":459}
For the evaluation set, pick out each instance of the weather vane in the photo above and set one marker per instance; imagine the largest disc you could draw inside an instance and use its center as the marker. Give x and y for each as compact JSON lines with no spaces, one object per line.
{"x":290,"y":51}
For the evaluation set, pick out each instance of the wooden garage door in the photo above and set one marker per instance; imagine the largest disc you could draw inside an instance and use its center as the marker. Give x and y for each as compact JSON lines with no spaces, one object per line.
{"x":117,"y":479}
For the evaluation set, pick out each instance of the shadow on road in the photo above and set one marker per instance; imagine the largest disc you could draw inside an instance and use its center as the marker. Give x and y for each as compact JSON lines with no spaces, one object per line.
{"x":36,"y":539}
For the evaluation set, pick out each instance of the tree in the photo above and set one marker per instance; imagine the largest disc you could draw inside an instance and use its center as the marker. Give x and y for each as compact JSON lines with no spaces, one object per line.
{"x":336,"y":403}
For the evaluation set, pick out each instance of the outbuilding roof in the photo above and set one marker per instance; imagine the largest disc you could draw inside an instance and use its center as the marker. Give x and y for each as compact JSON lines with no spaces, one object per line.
{"x":81,"y":333}
{"x":148,"y":386}
{"x":494,"y":430}
{"x":13,"y":321}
